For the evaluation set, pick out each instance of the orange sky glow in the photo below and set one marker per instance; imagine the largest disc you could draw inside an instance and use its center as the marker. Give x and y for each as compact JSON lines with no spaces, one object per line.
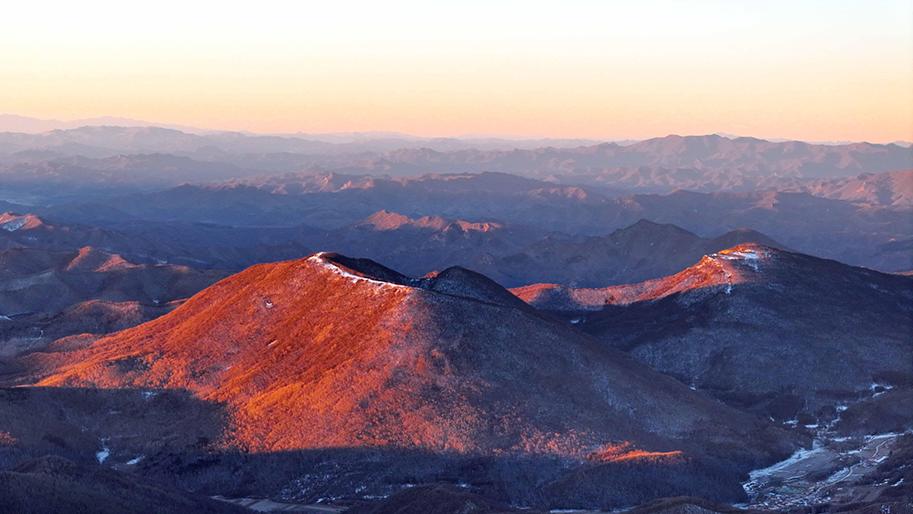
{"x":809,"y":70}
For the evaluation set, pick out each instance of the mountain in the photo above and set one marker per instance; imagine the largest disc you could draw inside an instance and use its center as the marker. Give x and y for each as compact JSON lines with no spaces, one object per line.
{"x":334,"y":354}
{"x":44,"y":281}
{"x":199,"y":245}
{"x":49,"y":294}
{"x":637,"y":252}
{"x":29,"y":230}
{"x":701,"y":163}
{"x":29,"y":125}
{"x":424,"y":244}
{"x":119,"y":172}
{"x":780,"y":332}
{"x":512,"y":254}
{"x":231,"y":149}
{"x":848,"y":231}
{"x":661,"y":165}
{"x":894,"y":190}
{"x":11,"y":222}
{"x":484,"y":183}
{"x":332,"y":201}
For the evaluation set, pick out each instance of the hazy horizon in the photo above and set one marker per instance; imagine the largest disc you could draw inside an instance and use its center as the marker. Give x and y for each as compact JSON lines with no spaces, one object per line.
{"x":811,"y":71}
{"x":122,"y":122}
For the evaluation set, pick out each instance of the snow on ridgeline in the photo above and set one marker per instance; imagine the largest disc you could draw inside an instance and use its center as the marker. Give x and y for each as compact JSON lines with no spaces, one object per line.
{"x":747,"y":255}
{"x":320,"y":259}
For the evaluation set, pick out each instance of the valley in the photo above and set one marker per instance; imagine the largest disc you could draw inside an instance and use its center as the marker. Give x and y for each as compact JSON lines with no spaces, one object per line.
{"x":836,"y":470}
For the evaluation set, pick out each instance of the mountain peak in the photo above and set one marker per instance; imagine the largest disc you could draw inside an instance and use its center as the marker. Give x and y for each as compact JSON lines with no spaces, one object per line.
{"x":740,"y":235}
{"x":12,"y":222}
{"x":89,"y":258}
{"x":645,"y":226}
{"x":458,"y":281}
{"x":386,"y":220}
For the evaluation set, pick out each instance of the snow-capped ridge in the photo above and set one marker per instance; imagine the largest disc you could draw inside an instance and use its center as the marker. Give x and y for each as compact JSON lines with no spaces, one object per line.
{"x":361,"y":270}
{"x":724,"y":271}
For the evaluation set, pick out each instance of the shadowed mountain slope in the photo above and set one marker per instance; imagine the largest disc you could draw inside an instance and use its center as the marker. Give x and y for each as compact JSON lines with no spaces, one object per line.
{"x":754,"y":324}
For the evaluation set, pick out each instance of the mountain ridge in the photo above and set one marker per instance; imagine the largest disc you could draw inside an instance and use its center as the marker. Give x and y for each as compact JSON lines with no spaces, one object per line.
{"x":726,"y":323}
{"x":366,"y":357}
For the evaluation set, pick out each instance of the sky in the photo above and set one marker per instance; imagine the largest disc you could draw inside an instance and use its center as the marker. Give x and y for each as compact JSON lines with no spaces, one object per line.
{"x":802,"y":69}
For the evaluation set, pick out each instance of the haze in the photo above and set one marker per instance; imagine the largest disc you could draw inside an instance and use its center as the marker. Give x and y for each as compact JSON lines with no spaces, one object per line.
{"x":808,"y":70}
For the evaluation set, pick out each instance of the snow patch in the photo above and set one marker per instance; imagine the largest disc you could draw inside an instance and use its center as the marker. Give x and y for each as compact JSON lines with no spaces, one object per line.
{"x":747,"y":257}
{"x":102,"y":455}
{"x":879,"y":389}
{"x":883,"y":436}
{"x":14,"y":224}
{"x":798,"y":456}
{"x":135,"y":460}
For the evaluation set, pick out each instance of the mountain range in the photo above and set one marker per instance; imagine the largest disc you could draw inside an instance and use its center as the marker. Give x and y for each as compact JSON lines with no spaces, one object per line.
{"x":699,"y":163}
{"x":511,"y":254}
{"x":856,"y":231}
{"x":45,"y":295}
{"x":696,"y":323}
{"x":379,"y":380}
{"x":332,"y":352}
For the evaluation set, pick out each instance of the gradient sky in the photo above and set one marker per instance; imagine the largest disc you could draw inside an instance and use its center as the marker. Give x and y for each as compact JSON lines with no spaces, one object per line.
{"x":813,"y":70}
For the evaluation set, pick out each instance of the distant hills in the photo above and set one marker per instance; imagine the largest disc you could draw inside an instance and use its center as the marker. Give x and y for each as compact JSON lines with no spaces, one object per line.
{"x":699,"y":163}
{"x":30,"y":125}
{"x":847,"y":223}
{"x":48,"y":294}
{"x":513,"y":255}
